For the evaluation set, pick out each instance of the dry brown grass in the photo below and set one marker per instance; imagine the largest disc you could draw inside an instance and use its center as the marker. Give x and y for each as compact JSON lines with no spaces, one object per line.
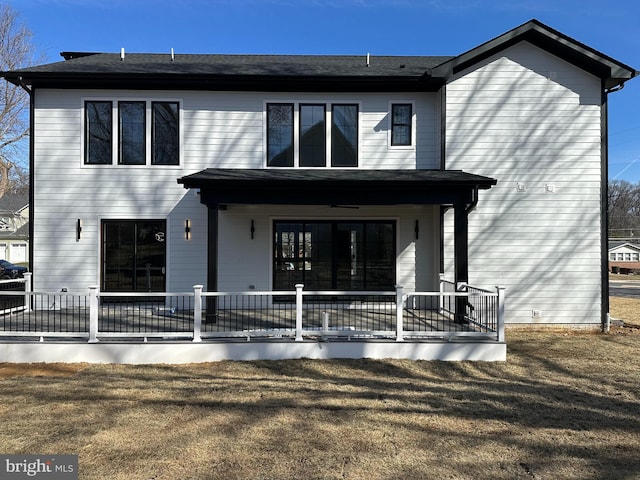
{"x":564,"y":406}
{"x":626,"y":309}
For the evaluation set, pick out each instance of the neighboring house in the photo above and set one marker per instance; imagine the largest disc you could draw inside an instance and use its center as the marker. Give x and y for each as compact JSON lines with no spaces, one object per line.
{"x":257,"y":172}
{"x":624,"y":257}
{"x":14,"y":227}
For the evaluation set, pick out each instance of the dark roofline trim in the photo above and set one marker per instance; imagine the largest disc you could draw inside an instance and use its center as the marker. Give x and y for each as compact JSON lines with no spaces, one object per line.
{"x":614,"y":72}
{"x":234,"y":83}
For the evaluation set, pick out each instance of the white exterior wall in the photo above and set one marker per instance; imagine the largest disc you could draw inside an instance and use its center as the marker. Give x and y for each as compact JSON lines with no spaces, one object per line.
{"x":528,"y":118}
{"x":223,"y":130}
{"x":244,"y":263}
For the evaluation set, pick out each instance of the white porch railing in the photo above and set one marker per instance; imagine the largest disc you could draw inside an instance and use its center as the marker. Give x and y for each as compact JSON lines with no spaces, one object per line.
{"x":294,"y":315}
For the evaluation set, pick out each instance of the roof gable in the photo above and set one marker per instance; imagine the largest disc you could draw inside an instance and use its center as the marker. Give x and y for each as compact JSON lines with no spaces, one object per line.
{"x":612,"y":72}
{"x":614,"y":246}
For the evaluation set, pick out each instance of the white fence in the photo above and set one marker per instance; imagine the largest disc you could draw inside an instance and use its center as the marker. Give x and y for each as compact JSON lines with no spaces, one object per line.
{"x":467,"y":314}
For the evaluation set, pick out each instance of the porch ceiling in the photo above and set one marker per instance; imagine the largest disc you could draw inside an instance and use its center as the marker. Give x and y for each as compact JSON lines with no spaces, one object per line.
{"x":336,"y":186}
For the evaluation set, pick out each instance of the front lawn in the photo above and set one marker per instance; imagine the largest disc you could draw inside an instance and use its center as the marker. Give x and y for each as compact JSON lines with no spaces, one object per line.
{"x":562,"y":406}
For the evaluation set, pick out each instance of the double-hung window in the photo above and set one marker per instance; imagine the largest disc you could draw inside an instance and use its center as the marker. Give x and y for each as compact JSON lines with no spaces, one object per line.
{"x":143,"y":132}
{"x":312,"y":135}
{"x":401,"y":124}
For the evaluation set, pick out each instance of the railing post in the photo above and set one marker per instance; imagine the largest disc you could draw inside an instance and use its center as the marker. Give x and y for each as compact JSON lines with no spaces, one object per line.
{"x":500,"y":306}
{"x":441,"y":298}
{"x":28,"y":287}
{"x":399,"y":313}
{"x":93,"y":315}
{"x":299,"y":288}
{"x":197,"y":313}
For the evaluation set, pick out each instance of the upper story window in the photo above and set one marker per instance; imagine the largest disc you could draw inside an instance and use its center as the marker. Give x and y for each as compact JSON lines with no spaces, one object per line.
{"x":401,"y":124}
{"x":165,"y":133}
{"x":98,"y":133}
{"x":131,"y":128}
{"x":344,"y":136}
{"x":298,"y":135}
{"x":313,"y":136}
{"x":280,"y":135}
{"x":145,"y":132}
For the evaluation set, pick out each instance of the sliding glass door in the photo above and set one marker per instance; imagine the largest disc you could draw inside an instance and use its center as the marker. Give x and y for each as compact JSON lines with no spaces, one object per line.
{"x":133,"y":255}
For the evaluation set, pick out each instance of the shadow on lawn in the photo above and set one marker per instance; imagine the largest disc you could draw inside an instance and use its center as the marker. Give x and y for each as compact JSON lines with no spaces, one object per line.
{"x":551,"y":405}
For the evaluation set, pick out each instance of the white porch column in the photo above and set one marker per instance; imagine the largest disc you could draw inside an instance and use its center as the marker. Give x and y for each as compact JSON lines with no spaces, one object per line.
{"x":93,"y":314}
{"x":399,"y":312}
{"x":299,"y":288}
{"x":197,"y":313}
{"x":500,"y":326}
{"x":28,"y":287}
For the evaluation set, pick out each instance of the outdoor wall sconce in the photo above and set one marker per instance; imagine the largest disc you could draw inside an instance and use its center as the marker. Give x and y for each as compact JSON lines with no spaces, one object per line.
{"x":417,"y":229}
{"x":253,"y":229}
{"x":78,"y":229}
{"x":187,"y":229}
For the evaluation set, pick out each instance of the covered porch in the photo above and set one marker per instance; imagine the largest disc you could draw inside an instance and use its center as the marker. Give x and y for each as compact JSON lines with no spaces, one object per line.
{"x":341,"y":265}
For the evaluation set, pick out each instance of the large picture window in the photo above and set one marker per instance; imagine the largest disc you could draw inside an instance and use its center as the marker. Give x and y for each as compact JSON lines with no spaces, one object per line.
{"x":334,"y":255}
{"x":298,"y":135}
{"x":98,"y":133}
{"x":140,"y":123}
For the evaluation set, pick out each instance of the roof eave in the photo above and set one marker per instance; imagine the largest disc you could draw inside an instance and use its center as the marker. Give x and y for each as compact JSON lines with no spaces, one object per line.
{"x":227,"y":82}
{"x":613,"y":72}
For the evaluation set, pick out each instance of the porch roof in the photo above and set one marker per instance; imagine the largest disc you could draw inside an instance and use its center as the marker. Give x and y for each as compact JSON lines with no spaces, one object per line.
{"x":336,"y":186}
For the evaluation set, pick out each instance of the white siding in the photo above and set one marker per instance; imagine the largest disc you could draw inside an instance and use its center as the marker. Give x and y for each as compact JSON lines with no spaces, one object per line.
{"x":224,"y":130}
{"x":527,"y":118}
{"x":246,"y":262}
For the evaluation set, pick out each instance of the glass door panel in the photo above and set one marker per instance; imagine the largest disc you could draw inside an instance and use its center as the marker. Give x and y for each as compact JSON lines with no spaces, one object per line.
{"x":334,"y":255}
{"x":133,"y":255}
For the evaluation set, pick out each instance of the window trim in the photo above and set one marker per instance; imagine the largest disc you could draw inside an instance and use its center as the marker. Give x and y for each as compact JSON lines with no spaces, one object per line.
{"x":115,"y":131}
{"x":390,"y":144}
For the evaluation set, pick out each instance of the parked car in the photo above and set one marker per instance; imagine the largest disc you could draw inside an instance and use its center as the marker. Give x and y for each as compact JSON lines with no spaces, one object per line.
{"x":9,"y":270}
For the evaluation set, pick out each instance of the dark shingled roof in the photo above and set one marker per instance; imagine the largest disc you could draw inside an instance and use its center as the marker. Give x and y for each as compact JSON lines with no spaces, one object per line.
{"x":203,"y":64}
{"x":303,"y":72}
{"x":275,"y":176}
{"x":335,"y":187}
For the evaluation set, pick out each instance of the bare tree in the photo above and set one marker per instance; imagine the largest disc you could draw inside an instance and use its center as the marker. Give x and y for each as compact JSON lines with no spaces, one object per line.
{"x":16,"y":51}
{"x":624,"y":208}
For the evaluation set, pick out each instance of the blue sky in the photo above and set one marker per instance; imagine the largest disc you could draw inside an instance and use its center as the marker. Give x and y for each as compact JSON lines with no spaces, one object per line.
{"x":379,"y":27}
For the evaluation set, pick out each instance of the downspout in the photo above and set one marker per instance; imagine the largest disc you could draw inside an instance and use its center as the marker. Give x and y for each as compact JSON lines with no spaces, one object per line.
{"x":605,"y":315}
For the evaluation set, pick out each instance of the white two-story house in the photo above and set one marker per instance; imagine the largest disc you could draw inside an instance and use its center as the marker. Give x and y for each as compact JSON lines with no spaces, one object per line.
{"x":155,"y":172}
